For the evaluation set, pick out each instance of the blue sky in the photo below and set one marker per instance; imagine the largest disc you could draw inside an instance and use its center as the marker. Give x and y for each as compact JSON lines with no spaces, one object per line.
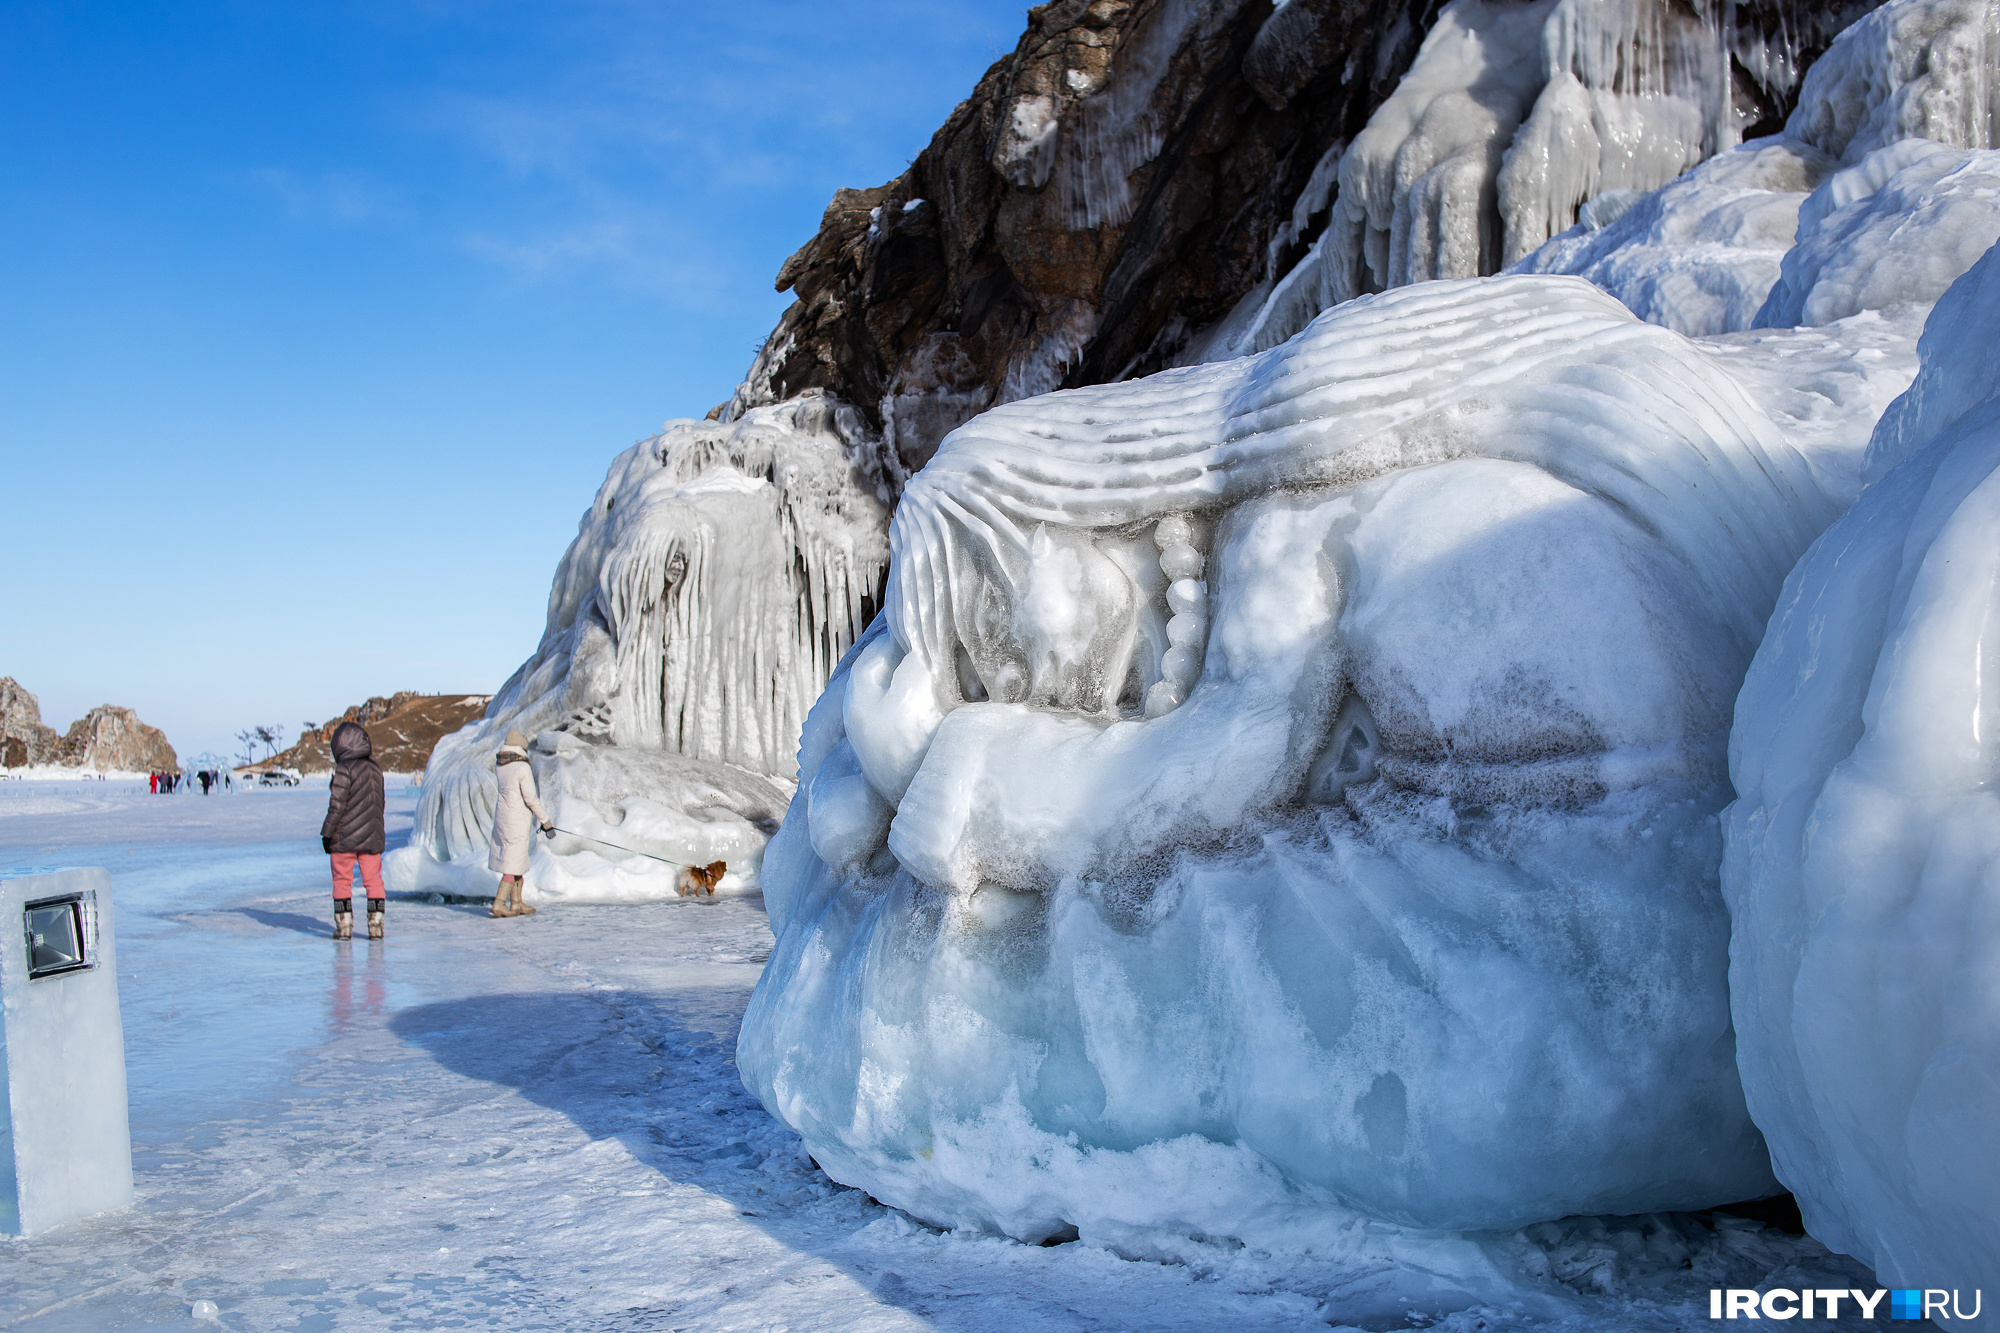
{"x":319,"y":322}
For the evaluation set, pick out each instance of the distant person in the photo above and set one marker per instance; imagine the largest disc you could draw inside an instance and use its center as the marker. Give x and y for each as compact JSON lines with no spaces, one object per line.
{"x":513,"y":830}
{"x":153,"y":784}
{"x":353,"y":834}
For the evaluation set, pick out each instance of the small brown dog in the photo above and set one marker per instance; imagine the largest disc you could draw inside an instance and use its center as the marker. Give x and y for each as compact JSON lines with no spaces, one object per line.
{"x":697,"y":880}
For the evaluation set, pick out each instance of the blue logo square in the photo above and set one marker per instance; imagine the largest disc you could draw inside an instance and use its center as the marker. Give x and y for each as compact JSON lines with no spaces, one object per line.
{"x":1906,"y":1305}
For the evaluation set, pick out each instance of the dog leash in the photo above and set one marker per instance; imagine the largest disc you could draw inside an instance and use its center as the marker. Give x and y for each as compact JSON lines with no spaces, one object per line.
{"x":630,"y":851}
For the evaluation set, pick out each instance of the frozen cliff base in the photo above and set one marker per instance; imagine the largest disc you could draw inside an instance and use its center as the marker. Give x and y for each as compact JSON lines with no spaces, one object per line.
{"x":1863,"y":865}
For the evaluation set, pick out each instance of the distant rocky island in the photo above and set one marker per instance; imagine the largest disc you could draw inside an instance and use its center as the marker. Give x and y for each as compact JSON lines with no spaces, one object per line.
{"x":403,"y":727}
{"x":107,"y":739}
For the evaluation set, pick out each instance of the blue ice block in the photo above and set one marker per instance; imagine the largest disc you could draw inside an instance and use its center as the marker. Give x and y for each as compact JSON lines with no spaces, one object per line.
{"x":65,"y":1140}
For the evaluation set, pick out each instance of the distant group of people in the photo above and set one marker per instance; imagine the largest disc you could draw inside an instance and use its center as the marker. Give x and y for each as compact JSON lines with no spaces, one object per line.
{"x":163,"y":781}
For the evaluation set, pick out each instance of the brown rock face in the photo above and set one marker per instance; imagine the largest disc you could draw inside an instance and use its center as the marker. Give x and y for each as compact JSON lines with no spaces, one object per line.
{"x":1111,"y":189}
{"x":113,"y":739}
{"x":23,"y":738}
{"x":403,"y":729}
{"x":106,"y":739}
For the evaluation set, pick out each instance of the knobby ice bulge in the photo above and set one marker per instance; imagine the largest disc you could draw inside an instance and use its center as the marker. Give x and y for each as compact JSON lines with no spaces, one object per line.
{"x":1292,"y":783}
{"x":1863,"y":867}
{"x":1320,"y":781}
{"x":1293,"y":786}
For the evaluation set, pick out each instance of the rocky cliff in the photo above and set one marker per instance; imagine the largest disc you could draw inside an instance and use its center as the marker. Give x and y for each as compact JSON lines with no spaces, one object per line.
{"x":1144,"y":183}
{"x":23,"y":739}
{"x":107,"y":739}
{"x":403,"y":728}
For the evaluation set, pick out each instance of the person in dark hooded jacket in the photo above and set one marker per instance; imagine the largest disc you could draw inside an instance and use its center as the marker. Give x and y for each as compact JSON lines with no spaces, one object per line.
{"x":353,"y":834}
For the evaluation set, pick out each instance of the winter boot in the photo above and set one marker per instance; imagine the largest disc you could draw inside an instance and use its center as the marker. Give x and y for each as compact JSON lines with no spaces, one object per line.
{"x":375,"y":906}
{"x":343,"y":918}
{"x":520,"y":908}
{"x":501,"y":905}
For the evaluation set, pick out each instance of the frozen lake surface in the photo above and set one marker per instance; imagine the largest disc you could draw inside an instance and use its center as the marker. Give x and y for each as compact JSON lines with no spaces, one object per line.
{"x":538,"y":1124}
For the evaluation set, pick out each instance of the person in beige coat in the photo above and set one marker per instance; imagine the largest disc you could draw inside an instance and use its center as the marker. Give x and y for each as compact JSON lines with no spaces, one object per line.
{"x":513,"y":829}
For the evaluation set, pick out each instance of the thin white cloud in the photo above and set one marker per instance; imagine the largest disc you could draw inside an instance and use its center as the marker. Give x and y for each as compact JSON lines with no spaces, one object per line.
{"x":336,"y":198}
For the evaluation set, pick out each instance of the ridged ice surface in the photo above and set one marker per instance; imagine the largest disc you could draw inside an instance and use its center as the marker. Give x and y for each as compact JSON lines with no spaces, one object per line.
{"x":719,"y":575}
{"x":1864,"y":854}
{"x":1289,"y":785}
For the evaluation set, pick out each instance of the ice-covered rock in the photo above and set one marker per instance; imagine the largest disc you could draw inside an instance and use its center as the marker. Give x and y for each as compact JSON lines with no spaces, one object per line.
{"x":1913,"y":69}
{"x":717,"y":578}
{"x":1701,"y":254}
{"x":1862,"y":869}
{"x":1898,"y":226}
{"x":1517,"y":121}
{"x":1881,"y":191}
{"x":1290,"y":784}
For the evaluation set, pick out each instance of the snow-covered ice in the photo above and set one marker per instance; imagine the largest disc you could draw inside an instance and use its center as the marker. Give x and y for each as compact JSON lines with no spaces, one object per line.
{"x":536,"y":1124}
{"x":1864,"y":855}
{"x":1881,"y":190}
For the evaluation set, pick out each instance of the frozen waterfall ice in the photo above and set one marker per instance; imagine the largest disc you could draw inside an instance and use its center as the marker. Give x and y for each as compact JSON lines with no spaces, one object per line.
{"x":1513,"y":119}
{"x":1863,"y":859}
{"x":1407,"y":904}
{"x":1537,"y":135}
{"x":717,"y":578}
{"x":1882,"y":189}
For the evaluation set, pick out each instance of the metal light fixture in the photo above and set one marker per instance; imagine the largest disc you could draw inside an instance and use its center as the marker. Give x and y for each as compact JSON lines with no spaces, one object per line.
{"x":61,"y":933}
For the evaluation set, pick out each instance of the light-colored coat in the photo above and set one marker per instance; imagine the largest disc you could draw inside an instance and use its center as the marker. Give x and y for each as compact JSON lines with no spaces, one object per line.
{"x":515,"y":817}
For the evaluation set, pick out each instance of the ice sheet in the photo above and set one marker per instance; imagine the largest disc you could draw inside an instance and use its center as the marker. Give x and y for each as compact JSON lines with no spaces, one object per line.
{"x":536,"y":1124}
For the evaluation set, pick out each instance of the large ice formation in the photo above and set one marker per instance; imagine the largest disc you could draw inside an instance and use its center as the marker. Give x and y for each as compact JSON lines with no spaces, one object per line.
{"x":1513,"y":121}
{"x":1863,"y":858}
{"x":720,"y":573}
{"x":1292,"y":782}
{"x":1880,"y":191}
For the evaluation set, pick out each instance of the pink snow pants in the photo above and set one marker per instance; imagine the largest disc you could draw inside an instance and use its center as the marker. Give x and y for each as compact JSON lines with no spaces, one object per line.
{"x":343,"y":874}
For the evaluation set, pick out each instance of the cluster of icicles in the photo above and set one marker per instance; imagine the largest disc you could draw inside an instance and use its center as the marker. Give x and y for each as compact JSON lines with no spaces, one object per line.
{"x":1512,"y":118}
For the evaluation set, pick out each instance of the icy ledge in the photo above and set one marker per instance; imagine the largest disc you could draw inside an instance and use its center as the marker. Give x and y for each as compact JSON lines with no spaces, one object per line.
{"x":1401,"y":896}
{"x":1864,"y":854}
